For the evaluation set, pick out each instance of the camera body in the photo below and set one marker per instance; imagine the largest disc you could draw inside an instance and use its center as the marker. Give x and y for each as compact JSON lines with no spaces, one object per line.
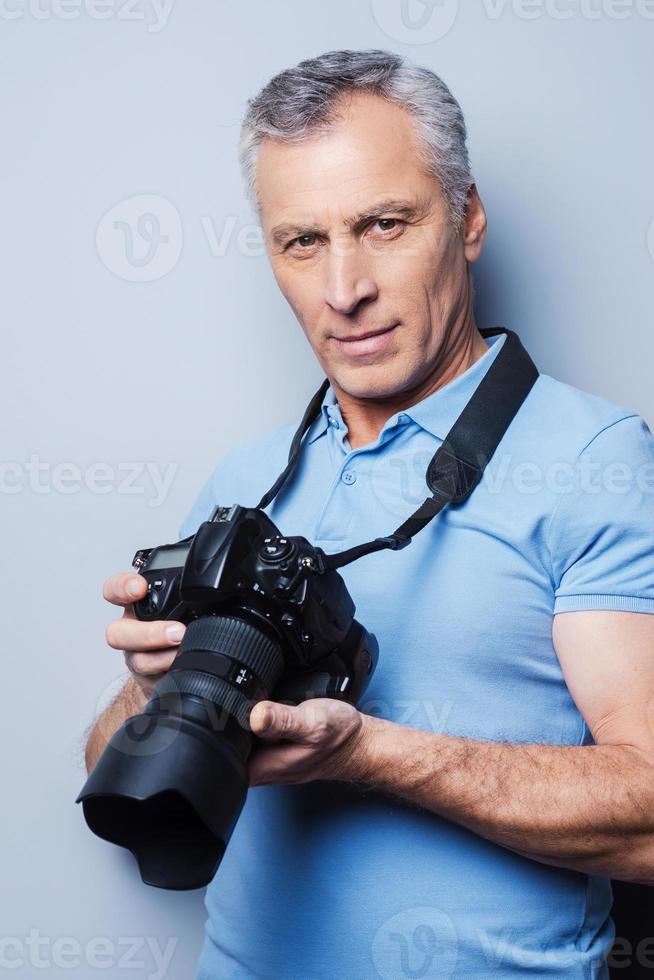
{"x":239,"y":564}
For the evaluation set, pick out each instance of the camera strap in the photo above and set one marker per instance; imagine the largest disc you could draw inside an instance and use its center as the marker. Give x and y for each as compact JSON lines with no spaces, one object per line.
{"x":459,"y":462}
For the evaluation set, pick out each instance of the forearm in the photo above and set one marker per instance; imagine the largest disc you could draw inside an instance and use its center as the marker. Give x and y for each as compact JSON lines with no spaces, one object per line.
{"x":590,"y":808}
{"x":130,"y":701}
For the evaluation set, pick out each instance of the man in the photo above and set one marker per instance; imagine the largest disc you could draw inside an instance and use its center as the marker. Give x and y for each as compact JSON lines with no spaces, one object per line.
{"x":466,"y":819}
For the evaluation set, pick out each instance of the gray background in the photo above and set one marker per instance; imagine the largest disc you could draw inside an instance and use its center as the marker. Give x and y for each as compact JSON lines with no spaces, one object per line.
{"x":124,"y":349}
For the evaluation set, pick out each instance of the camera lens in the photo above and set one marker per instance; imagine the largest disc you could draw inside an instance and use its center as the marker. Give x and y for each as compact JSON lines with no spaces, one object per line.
{"x":172,"y":781}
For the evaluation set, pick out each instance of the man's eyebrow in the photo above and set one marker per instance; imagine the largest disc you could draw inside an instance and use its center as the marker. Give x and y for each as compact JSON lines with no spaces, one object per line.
{"x":401,"y":207}
{"x":406,"y":209}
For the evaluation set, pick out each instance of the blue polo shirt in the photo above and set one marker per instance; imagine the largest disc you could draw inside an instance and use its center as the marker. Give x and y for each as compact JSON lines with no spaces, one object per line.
{"x":324,"y":881}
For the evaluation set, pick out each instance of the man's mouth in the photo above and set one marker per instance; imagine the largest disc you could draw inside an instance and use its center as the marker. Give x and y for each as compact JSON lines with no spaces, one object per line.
{"x":365,"y":343}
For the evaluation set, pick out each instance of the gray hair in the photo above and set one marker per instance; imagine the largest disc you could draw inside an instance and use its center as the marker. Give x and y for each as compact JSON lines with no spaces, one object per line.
{"x":303,"y":101}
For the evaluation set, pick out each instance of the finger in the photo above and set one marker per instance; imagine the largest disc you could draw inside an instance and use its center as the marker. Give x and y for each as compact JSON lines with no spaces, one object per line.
{"x":271,"y":720}
{"x":152,"y":663}
{"x":124,"y":588}
{"x":128,"y":633}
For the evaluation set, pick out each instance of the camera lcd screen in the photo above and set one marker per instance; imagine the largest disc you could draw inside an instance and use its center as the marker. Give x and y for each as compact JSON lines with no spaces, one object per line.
{"x":168,"y":558}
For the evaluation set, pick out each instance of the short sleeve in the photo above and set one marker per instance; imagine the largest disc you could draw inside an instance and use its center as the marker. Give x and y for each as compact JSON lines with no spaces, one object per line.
{"x":601,"y":533}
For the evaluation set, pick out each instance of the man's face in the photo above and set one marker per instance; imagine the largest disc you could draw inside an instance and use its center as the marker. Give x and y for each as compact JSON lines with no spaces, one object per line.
{"x":360,"y":241}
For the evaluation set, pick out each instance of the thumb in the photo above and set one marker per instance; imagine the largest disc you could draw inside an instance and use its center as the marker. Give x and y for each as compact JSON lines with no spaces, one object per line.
{"x":270,"y":720}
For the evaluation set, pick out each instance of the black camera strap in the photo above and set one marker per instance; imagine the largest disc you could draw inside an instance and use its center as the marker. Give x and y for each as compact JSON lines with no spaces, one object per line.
{"x":312,"y":412}
{"x":459,"y":462}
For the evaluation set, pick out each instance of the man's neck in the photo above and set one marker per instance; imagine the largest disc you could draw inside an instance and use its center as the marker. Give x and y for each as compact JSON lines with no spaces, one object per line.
{"x":365,"y":417}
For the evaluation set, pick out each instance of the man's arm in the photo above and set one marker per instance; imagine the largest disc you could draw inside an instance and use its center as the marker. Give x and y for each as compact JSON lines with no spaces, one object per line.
{"x":589,"y":808}
{"x":129,"y":701}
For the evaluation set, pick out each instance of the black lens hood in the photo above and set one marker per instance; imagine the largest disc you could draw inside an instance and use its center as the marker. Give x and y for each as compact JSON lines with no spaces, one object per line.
{"x":170,"y":792}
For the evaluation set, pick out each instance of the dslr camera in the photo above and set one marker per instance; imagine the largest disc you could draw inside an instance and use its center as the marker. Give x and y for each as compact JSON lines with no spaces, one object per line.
{"x":265,"y":619}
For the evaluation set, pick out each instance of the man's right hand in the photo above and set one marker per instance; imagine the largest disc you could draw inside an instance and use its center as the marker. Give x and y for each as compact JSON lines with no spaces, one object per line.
{"x":149,"y":648}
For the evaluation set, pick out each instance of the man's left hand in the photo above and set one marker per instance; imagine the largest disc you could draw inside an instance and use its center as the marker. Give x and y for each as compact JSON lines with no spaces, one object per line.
{"x":319,"y":739}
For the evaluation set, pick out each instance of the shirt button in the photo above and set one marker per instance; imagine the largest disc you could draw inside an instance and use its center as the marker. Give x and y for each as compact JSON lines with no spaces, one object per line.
{"x":334,"y":422}
{"x":348,"y":476}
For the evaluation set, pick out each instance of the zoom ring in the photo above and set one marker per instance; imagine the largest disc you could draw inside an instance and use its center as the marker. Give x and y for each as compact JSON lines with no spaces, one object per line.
{"x":209,"y":687}
{"x":238,"y":640}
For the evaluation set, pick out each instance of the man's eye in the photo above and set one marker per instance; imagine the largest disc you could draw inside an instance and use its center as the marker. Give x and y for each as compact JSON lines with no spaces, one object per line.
{"x":387,"y":224}
{"x":305,"y":241}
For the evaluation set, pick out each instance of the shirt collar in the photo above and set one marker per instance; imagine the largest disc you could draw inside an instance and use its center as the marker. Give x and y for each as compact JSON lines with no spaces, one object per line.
{"x":329,"y":412}
{"x":436,"y":413}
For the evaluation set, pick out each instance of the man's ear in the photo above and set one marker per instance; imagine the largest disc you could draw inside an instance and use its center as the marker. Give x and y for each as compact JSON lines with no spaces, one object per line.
{"x":474,"y":226}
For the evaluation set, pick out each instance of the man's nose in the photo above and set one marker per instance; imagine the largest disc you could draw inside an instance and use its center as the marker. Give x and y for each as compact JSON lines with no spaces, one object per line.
{"x":347,"y":283}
